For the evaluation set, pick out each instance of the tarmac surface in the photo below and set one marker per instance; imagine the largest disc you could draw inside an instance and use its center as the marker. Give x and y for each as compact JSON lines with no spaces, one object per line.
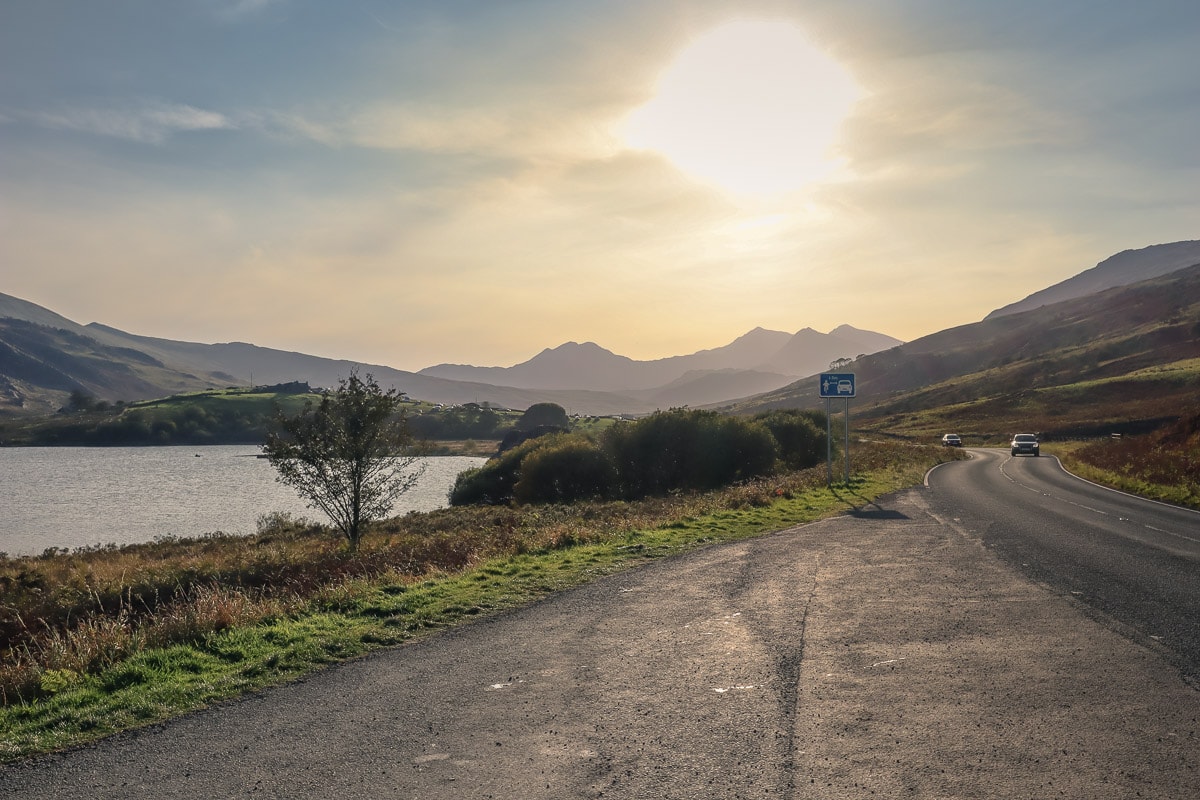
{"x":884,"y":654}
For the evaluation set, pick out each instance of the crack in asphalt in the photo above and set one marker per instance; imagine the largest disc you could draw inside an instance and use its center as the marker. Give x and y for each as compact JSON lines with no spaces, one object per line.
{"x":788,"y":669}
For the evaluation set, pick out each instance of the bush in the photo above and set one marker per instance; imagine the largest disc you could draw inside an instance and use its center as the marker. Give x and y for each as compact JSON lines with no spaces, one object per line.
{"x":677,"y":450}
{"x":801,"y":436}
{"x":518,"y":436}
{"x":492,"y":484}
{"x":685,"y":449}
{"x":569,"y":469}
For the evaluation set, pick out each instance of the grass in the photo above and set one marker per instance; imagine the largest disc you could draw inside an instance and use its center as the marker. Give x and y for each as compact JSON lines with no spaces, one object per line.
{"x":215,"y":416}
{"x":114,"y":638}
{"x":986,"y":407}
{"x":1164,"y":465}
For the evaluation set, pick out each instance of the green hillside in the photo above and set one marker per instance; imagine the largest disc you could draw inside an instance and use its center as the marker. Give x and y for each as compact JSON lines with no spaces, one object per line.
{"x":229,"y":416}
{"x":41,"y":365}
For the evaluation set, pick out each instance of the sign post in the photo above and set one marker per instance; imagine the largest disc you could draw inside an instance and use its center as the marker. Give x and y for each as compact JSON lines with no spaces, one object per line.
{"x":836,"y":384}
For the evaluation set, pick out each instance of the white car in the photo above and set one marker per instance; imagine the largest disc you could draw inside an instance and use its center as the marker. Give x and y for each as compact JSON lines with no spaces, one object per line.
{"x":1025,"y":443}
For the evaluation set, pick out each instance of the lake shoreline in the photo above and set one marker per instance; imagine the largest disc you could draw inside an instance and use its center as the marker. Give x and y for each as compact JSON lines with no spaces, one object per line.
{"x":68,"y":498}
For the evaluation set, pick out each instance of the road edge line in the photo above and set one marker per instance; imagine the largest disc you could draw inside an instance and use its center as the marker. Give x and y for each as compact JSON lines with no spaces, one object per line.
{"x":1119,"y":491}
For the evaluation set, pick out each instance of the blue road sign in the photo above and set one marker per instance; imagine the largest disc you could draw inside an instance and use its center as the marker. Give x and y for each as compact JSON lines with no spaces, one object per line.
{"x":837,"y":384}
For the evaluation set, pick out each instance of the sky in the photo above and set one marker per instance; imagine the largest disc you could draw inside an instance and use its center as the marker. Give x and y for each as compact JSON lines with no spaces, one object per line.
{"x":471,"y":181}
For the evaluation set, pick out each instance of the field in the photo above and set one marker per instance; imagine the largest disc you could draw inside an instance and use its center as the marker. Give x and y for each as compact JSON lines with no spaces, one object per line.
{"x":240,"y":416}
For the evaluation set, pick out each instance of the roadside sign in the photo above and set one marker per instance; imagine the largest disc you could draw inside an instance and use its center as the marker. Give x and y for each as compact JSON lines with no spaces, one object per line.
{"x":837,"y":384}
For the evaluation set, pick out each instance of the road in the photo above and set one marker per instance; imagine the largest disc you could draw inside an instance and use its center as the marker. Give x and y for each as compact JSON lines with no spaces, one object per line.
{"x":1133,"y":560}
{"x":889,"y":653}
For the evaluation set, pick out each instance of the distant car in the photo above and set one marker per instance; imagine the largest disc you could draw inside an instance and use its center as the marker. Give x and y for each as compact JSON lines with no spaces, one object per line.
{"x":1025,"y":443}
{"x":951,"y":440}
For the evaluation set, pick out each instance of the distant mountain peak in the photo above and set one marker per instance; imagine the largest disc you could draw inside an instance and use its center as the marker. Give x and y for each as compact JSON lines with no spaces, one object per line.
{"x":569,"y":346}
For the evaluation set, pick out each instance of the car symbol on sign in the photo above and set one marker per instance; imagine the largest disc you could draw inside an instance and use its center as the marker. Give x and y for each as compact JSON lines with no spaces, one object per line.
{"x":845,"y":387}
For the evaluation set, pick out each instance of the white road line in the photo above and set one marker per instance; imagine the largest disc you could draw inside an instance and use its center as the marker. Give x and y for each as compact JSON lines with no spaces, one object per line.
{"x":1013,"y":480}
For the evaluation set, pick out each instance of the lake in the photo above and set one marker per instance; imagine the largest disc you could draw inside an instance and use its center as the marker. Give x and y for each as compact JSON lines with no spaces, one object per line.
{"x":72,"y":497}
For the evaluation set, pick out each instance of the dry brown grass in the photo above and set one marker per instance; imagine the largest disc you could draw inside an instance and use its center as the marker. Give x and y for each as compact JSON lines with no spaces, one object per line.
{"x":67,"y":613}
{"x":72,"y":613}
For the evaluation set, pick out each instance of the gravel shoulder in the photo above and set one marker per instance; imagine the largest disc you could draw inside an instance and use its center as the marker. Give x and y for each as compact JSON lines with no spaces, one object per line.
{"x":882,"y":653}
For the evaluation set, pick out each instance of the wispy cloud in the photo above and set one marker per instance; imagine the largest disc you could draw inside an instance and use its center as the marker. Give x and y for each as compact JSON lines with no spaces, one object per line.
{"x":152,"y":124}
{"x":238,"y":9}
{"x":507,"y":132}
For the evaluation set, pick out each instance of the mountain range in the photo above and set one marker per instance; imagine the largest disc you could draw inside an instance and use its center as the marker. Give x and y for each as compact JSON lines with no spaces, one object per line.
{"x":45,"y":356}
{"x":771,"y":354}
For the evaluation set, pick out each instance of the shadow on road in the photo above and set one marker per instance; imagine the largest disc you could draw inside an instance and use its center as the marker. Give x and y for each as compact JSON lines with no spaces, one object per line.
{"x":866,"y":509}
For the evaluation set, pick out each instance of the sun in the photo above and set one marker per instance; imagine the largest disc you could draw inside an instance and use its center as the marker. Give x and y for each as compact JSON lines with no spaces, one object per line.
{"x":752,"y":107}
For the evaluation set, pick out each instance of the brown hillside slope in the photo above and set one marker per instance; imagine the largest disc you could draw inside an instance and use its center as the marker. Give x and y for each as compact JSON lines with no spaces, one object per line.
{"x":1073,"y":365}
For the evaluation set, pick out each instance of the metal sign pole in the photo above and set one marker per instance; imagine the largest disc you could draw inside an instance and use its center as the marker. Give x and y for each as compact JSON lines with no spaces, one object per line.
{"x":847,"y":441}
{"x":828,"y":443}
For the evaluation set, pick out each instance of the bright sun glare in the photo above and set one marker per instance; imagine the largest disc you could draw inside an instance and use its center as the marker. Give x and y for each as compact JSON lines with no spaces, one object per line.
{"x":752,"y":106}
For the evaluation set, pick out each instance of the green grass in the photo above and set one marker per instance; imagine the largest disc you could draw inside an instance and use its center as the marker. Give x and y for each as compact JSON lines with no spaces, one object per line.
{"x":362,"y":614}
{"x":216,"y":416}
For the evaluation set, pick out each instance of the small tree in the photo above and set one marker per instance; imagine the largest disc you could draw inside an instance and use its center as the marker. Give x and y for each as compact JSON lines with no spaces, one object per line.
{"x":348,"y":456}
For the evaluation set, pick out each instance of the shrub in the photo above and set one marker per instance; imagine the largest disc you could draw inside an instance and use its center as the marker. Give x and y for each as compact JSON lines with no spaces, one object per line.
{"x":801,"y":436}
{"x":492,"y":484}
{"x":676,"y":450}
{"x":569,"y":469}
{"x":687,"y":449}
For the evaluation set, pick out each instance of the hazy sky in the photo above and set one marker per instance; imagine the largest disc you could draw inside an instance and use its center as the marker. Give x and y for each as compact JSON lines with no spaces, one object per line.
{"x":409,"y":183}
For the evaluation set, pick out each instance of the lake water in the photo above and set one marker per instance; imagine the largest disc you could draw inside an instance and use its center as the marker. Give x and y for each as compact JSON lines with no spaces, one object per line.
{"x":73,"y":497}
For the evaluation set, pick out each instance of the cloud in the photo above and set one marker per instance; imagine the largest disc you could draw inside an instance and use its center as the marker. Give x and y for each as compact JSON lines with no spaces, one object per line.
{"x":533,"y":132}
{"x":232,"y":10}
{"x":152,"y":124}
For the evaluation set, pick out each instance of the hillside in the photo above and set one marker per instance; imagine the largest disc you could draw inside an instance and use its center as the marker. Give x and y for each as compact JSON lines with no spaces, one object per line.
{"x":40,"y":366}
{"x":1122,"y":269}
{"x":239,"y":416}
{"x":1124,"y":359}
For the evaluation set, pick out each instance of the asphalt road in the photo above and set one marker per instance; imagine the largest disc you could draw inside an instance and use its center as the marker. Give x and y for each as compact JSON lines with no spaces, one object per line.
{"x":887,"y":653}
{"x":1133,"y":560}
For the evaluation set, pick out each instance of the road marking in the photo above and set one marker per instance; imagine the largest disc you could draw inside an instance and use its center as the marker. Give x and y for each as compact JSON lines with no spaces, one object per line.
{"x":1088,"y":508}
{"x":1171,"y":533}
{"x":889,"y":661}
{"x":1005,"y":462}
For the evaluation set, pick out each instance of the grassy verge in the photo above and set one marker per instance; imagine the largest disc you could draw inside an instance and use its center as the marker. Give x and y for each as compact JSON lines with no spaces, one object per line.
{"x":265,"y":638}
{"x":1131,"y":468}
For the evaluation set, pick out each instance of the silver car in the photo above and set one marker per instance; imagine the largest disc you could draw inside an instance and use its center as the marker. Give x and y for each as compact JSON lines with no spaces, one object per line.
{"x":1025,"y":443}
